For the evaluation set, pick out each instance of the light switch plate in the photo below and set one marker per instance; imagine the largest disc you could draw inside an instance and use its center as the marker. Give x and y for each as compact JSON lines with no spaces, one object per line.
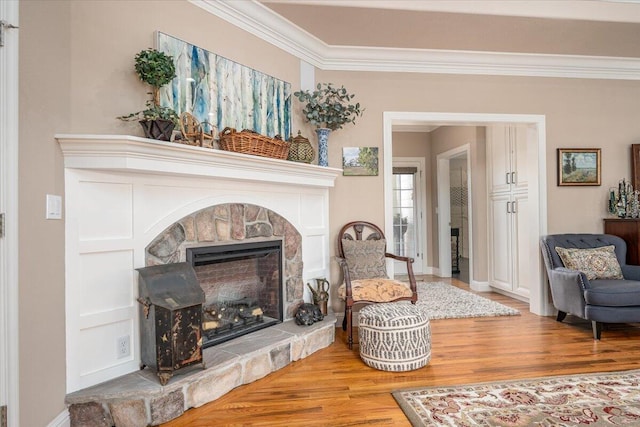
{"x":54,"y":207}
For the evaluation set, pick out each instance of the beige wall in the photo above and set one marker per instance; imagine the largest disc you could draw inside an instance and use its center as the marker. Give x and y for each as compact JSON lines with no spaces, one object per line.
{"x":76,"y":60}
{"x":44,"y":107}
{"x":579,"y":113}
{"x":76,"y":76}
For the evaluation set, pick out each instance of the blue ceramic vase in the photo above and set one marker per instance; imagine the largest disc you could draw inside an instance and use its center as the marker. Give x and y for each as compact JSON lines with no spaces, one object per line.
{"x":323,"y":146}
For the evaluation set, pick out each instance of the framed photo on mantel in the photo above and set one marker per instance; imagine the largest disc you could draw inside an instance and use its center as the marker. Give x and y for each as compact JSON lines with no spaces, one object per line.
{"x":635,"y":166}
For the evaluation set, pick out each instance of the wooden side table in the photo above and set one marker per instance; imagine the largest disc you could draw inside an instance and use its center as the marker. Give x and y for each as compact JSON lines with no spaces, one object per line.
{"x":629,"y":230}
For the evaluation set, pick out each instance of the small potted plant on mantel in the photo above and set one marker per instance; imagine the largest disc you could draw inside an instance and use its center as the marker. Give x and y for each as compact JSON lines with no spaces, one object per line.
{"x":328,"y":108}
{"x":156,"y":69}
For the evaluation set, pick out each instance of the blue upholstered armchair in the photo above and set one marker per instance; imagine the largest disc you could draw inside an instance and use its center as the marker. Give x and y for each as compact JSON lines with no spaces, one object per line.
{"x":589,"y":278}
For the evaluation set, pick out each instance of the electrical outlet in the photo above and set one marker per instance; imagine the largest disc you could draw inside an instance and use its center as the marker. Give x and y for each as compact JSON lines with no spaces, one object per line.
{"x":124,"y":346}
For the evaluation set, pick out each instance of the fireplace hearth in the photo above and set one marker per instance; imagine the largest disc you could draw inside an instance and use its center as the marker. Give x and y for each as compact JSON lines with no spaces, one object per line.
{"x":242,"y":284}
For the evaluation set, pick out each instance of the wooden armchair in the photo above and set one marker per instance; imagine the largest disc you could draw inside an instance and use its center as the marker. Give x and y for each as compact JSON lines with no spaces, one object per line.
{"x":362,"y":256}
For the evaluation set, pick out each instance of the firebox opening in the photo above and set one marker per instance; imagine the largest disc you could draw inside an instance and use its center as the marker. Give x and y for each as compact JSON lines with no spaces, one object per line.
{"x":242,"y":285}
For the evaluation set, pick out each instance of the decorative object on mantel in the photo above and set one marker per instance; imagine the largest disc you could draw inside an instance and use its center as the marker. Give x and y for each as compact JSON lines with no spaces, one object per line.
{"x":321,"y":294}
{"x":300,"y":149}
{"x":308,"y":314}
{"x":250,"y":142}
{"x":156,"y":69}
{"x":193,"y":131}
{"x":624,"y":201}
{"x":578,"y":166}
{"x":225,"y":93}
{"x":328,"y":108}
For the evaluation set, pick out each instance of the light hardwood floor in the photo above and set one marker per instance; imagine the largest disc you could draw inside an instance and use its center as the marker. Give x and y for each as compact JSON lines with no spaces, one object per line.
{"x":334,"y":388}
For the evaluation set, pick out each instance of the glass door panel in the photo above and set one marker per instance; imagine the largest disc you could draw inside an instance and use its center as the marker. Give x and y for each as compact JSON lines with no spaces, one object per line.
{"x":405,"y":236}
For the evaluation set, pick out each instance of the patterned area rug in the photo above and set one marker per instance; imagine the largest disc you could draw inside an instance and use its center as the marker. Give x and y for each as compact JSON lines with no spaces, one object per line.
{"x":603,"y":399}
{"x":444,"y":301}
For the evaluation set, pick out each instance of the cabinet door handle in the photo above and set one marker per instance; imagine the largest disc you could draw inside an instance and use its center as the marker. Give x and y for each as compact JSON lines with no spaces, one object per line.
{"x":507,"y":177}
{"x":513,"y":177}
{"x":508,"y":208}
{"x":513,"y":207}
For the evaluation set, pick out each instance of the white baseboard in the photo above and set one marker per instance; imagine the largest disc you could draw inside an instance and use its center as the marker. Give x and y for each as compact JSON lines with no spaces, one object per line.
{"x":62,"y":420}
{"x":480,"y":286}
{"x":429,"y":270}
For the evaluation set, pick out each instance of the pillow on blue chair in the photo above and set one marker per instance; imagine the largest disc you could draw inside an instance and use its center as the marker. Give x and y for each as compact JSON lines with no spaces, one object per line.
{"x":595,"y":263}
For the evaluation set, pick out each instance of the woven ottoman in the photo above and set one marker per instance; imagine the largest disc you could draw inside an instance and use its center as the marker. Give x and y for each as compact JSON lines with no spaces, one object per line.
{"x":394,"y":337}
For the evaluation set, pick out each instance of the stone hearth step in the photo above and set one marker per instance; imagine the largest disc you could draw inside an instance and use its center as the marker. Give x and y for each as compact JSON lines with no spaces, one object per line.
{"x":138,"y":399}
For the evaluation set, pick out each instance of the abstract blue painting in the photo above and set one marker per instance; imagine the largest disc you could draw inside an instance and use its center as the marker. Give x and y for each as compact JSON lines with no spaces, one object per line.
{"x":224,"y":93}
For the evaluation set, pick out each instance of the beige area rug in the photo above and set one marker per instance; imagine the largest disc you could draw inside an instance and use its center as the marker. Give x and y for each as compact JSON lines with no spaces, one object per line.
{"x":603,"y":399}
{"x":444,"y":301}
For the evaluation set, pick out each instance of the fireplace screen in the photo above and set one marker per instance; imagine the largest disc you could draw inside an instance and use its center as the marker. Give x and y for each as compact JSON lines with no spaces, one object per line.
{"x":242,"y":284}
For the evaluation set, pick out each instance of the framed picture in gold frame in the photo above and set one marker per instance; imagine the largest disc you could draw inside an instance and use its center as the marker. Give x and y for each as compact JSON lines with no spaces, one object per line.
{"x":578,"y":166}
{"x":635,"y":166}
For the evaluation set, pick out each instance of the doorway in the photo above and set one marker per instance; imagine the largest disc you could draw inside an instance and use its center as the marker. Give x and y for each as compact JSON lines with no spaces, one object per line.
{"x":538,"y":301}
{"x":459,"y":209}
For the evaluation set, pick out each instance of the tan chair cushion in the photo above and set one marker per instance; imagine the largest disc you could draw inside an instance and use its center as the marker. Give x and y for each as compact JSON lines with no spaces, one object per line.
{"x":377,"y":290}
{"x":365,"y":258}
{"x":596,"y":263}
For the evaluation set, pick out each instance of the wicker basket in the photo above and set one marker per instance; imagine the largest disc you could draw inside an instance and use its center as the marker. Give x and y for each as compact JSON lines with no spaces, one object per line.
{"x":250,"y":142}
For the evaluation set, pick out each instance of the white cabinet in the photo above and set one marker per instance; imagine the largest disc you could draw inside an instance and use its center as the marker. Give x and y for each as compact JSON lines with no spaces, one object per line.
{"x":509,"y":256}
{"x":508,"y":209}
{"x":507,"y":157}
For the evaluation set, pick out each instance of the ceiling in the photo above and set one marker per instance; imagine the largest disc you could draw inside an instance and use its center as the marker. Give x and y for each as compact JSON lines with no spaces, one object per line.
{"x":553,"y":27}
{"x":578,"y":27}
{"x":590,"y":10}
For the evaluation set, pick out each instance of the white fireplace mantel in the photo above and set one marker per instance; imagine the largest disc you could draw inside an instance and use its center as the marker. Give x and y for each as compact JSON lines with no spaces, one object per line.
{"x":135,"y":154}
{"x":122,"y":191}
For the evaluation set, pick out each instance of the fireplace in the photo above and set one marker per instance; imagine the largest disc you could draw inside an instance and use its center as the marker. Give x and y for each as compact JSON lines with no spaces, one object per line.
{"x":132,"y":202}
{"x":242,"y":284}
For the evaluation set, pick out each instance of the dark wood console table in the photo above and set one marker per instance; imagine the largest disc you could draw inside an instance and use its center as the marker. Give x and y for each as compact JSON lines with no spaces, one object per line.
{"x":629,"y":230}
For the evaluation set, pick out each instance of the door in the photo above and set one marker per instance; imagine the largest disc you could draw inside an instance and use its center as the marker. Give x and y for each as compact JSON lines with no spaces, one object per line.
{"x":407,"y":214}
{"x":500,"y":241}
{"x":8,"y":213}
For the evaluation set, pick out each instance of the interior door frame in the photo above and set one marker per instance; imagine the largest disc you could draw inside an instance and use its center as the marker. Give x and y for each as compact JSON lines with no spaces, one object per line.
{"x":420,"y":191}
{"x":9,"y":351}
{"x":539,"y":297}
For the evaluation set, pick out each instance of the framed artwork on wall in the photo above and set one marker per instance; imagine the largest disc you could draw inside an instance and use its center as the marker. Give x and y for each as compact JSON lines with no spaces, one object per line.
{"x":578,"y":166}
{"x":219,"y":91}
{"x":360,"y":161}
{"x":635,"y":166}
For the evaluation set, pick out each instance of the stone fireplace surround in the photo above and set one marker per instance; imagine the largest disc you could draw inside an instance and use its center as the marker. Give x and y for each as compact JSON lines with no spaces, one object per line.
{"x":233,"y":223}
{"x":121,"y":193}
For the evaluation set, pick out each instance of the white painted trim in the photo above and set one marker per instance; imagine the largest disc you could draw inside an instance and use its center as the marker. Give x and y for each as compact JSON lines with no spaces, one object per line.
{"x":443,"y":212}
{"x":267,"y":25}
{"x":132,"y":153}
{"x":62,"y":420}
{"x":307,"y":76}
{"x":538,"y":299}
{"x":9,"y":341}
{"x":480,"y":286}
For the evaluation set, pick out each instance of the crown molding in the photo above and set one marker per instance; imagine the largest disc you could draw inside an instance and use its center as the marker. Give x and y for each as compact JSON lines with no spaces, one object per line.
{"x":267,"y":25}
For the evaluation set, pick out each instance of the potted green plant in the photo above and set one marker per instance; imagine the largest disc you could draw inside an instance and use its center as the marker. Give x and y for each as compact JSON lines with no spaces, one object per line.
{"x":328,"y":108}
{"x":156,"y":69}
